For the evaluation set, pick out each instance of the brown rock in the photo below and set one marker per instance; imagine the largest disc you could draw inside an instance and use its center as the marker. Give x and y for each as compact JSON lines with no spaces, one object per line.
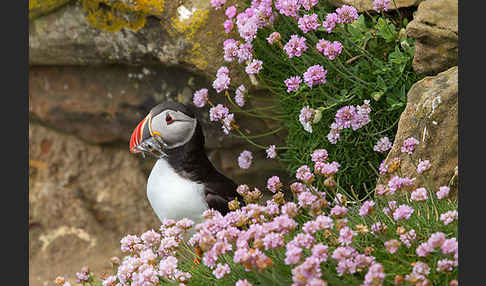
{"x":82,"y":200}
{"x":367,"y":5}
{"x":435,"y":29}
{"x":431,"y":117}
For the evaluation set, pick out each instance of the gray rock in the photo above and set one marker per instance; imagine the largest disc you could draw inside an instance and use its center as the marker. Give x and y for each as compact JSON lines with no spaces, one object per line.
{"x":435,"y":29}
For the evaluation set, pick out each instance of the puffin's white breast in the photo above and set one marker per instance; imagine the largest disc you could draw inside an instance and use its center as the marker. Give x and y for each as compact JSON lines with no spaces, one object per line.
{"x":173,"y":196}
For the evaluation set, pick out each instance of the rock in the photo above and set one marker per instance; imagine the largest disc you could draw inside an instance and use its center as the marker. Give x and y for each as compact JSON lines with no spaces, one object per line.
{"x":38,"y":8}
{"x":367,"y":5}
{"x":82,"y":200}
{"x":435,"y":29}
{"x":431,"y":117}
{"x":103,"y":104}
{"x":188,"y":35}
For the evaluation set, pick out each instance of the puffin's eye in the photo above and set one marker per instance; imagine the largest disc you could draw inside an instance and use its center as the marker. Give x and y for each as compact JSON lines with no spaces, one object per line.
{"x":169,"y":119}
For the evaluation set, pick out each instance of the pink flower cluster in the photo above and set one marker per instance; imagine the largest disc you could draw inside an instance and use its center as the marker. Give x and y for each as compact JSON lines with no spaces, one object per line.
{"x":308,"y":23}
{"x":329,"y":49}
{"x":381,"y":5}
{"x":245,"y":159}
{"x":295,"y":47}
{"x":221,"y":113}
{"x":140,"y":267}
{"x":354,"y":117}
{"x":382,"y":145}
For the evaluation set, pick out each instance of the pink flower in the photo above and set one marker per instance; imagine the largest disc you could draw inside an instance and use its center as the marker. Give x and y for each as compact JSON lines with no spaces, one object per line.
{"x":288,"y":7}
{"x":128,"y":242}
{"x":330,"y":22}
{"x":273,"y":38}
{"x":308,"y":4}
{"x":423,"y":166}
{"x":346,"y":14}
{"x":271,"y":152}
{"x":303,"y":240}
{"x":327,"y":169}
{"x":448,"y":217}
{"x":408,"y":237}
{"x":230,"y":47}
{"x":419,"y":194}
{"x":245,"y":52}
{"x":382,"y":145}
{"x":243,"y":283}
{"x":230,"y":12}
{"x":366,"y":208}
{"x":436,"y":240}
{"x":345,"y":116}
{"x":217,"y":4}
{"x":240,"y":95}
{"x":392,"y":245}
{"x":402,"y":212}
{"x":306,"y":199}
{"x":443,"y":192}
{"x":293,"y":254}
{"x":222,"y":80}
{"x":245,"y":159}
{"x":409,"y":145}
{"x":444,"y":265}
{"x":449,"y":246}
{"x":304,"y":174}
{"x":346,"y":236}
{"x":308,"y":23}
{"x":423,"y":249}
{"x":200,"y":97}
{"x":150,"y":238}
{"x":254,"y":67}
{"x":293,"y":83}
{"x":221,"y":270}
{"x":319,"y":155}
{"x":273,"y":240}
{"x":338,"y":211}
{"x":219,"y":112}
{"x":381,"y":5}
{"x":329,"y":49}
{"x":290,"y":209}
{"x":315,"y":75}
{"x":374,"y":276}
{"x":295,"y":47}
{"x":274,"y":184}
{"x":228,"y":26}
{"x":319,"y":251}
{"x":167,"y":266}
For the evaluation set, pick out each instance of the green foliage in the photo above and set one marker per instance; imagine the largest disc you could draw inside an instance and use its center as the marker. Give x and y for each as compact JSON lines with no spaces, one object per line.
{"x":375,"y":65}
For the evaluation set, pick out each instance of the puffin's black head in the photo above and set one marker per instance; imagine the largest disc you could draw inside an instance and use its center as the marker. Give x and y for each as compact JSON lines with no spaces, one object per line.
{"x":173,"y":123}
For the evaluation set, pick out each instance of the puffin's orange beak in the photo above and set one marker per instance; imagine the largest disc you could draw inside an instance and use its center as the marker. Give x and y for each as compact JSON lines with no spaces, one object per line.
{"x":137,"y":135}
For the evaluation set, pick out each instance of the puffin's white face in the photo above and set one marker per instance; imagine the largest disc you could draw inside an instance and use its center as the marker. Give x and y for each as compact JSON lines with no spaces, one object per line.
{"x":174,"y":127}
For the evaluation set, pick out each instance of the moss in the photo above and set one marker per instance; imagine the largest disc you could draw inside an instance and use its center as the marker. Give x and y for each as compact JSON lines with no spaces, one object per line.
{"x":41,"y":7}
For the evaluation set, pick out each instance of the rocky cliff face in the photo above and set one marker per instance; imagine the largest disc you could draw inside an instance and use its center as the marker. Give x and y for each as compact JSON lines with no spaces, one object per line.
{"x":88,"y":89}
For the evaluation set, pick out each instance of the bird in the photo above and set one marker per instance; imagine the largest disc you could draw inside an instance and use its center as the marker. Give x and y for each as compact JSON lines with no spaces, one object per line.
{"x":183,"y":183}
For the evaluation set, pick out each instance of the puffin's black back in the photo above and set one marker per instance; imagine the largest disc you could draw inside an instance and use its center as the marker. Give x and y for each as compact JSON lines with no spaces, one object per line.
{"x":191,"y":162}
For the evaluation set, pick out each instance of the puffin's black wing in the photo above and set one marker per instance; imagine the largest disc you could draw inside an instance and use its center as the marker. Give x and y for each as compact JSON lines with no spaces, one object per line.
{"x":220,"y":190}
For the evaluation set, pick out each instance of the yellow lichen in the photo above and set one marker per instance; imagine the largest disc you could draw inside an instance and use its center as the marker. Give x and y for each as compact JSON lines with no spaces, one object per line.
{"x":112,"y":17}
{"x":190,"y":26}
{"x":41,"y":7}
{"x":196,"y":58}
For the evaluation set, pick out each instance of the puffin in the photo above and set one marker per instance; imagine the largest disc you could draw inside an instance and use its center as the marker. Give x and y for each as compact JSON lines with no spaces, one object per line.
{"x":183,"y":182}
